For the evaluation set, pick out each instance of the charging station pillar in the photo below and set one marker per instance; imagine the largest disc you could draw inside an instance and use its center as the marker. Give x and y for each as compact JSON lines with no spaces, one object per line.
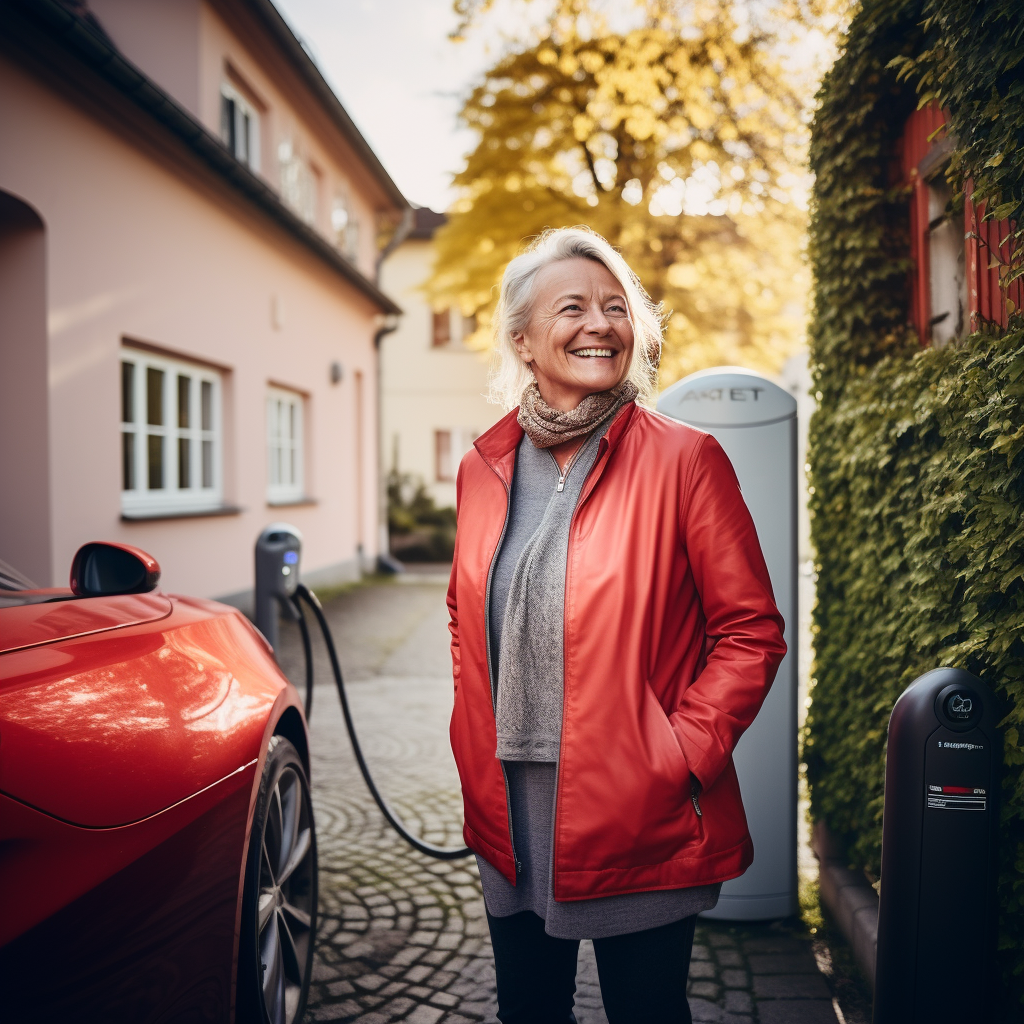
{"x":754,"y":420}
{"x":278,"y":549}
{"x":937,"y":908}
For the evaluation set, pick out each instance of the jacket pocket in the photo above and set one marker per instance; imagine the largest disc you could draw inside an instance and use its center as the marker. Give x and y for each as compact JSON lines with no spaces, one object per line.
{"x":670,"y":795}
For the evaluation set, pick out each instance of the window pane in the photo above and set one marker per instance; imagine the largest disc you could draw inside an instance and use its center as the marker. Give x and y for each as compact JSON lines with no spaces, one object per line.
{"x":227,"y":122}
{"x":184,"y":390}
{"x":184,"y":469}
{"x":128,"y":462}
{"x":207,"y":463}
{"x":243,"y":138}
{"x":291,"y":421}
{"x":154,"y":396}
{"x":207,"y":406}
{"x":155,"y":451}
{"x":127,"y":392}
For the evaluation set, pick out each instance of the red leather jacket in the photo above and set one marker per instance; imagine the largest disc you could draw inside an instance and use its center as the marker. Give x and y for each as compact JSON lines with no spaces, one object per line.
{"x":671,"y":642}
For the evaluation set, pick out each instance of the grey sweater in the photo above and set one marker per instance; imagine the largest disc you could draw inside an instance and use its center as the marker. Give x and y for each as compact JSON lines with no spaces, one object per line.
{"x":535,"y":501}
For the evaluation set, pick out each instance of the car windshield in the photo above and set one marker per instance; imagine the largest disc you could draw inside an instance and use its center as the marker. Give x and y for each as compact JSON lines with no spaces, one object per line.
{"x":11,"y":579}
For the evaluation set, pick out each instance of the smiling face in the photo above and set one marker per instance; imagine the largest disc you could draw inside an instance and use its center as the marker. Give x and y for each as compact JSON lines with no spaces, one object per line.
{"x":579,"y":339}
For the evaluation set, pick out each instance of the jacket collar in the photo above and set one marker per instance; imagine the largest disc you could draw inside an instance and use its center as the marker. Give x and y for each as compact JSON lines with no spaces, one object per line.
{"x":504,"y":437}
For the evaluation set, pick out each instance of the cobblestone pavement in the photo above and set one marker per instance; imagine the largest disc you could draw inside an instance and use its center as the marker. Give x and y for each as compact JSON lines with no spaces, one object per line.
{"x":404,"y":937}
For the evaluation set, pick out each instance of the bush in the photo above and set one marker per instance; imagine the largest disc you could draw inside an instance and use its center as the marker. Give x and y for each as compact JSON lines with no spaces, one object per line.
{"x":418,"y":530}
{"x":917,"y":457}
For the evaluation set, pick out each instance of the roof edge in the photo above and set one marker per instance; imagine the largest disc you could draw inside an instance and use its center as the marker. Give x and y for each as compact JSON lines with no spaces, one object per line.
{"x":311,"y":74}
{"x":96,"y":52}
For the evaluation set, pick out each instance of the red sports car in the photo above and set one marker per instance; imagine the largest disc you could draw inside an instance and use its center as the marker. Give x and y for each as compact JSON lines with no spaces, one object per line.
{"x":157,"y":849}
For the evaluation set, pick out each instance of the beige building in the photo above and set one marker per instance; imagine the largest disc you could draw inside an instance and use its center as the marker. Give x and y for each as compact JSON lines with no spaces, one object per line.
{"x":188,"y":301}
{"x":433,"y":402}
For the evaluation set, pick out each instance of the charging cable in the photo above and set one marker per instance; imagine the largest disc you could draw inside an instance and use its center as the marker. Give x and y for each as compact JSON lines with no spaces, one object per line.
{"x":305,"y":595}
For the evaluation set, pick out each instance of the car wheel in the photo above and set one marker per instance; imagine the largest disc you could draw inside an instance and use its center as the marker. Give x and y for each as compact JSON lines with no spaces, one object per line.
{"x":279,"y":901}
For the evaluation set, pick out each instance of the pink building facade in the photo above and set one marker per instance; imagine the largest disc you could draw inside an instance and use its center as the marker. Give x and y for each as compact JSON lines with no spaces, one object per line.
{"x":189,"y":314}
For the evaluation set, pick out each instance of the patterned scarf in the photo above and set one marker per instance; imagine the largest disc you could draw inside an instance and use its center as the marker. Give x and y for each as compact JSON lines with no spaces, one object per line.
{"x":547,"y":427}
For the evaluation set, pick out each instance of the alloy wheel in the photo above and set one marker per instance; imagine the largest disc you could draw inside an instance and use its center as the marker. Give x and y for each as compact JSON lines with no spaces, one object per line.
{"x":285,"y":910}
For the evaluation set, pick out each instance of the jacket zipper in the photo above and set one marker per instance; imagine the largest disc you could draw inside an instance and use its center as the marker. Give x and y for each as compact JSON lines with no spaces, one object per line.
{"x":696,"y":807}
{"x":490,"y":668}
{"x":565,"y":603}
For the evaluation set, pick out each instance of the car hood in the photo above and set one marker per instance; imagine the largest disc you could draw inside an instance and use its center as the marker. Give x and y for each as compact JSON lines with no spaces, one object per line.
{"x":115,"y":724}
{"x":48,"y":616}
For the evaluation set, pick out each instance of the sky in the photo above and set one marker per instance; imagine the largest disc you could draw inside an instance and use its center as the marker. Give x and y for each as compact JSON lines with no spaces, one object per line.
{"x":401,"y":79}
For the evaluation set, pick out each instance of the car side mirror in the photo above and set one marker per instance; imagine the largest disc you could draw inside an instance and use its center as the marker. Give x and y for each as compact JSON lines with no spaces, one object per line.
{"x":100,"y":569}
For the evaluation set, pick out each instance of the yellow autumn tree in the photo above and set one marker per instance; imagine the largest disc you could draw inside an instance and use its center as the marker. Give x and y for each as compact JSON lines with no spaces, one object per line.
{"x":678,"y":139}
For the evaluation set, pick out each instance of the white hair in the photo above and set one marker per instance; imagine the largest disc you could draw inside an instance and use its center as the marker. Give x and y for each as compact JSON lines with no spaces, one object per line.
{"x":511,"y":376}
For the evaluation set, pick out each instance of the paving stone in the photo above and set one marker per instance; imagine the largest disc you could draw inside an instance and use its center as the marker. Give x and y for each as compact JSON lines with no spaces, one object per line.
{"x":444,"y":999}
{"x":738,"y":1001}
{"x":702,"y":969}
{"x":425,"y":1015}
{"x":707,"y":989}
{"x":773,"y":943}
{"x":728,"y":958}
{"x":791,"y":986}
{"x":703,"y":1010}
{"x":783,"y":963}
{"x":341,"y":988}
{"x":733,"y":978}
{"x":700,"y":953}
{"x":371,"y":982}
{"x":808,"y":1011}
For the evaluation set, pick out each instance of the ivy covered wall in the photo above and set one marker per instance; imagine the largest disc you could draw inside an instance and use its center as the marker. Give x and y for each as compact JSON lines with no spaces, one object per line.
{"x":917,"y":456}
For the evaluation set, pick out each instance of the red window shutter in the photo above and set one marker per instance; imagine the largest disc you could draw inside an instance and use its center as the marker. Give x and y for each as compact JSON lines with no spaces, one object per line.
{"x":915,"y":145}
{"x":988,"y":247}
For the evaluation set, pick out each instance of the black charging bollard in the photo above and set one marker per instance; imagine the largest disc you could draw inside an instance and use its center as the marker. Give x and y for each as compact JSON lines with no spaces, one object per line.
{"x":278,"y":549}
{"x":937,"y":907}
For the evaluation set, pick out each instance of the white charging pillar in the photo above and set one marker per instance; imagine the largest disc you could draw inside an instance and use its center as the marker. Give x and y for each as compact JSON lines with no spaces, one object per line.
{"x":754,"y":420}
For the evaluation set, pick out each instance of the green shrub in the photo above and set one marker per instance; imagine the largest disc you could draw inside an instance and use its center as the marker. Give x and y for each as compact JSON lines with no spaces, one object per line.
{"x":917,"y":457}
{"x":418,"y":530}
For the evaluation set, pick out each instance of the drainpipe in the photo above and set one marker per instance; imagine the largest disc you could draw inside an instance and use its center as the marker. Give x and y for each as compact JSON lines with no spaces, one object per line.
{"x":385,"y":562}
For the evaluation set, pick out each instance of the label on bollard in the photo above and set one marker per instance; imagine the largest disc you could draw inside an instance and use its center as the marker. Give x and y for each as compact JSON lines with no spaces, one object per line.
{"x":956,"y":798}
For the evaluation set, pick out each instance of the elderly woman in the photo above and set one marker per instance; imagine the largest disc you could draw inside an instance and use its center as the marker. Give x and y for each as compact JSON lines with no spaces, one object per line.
{"x":613,"y":634}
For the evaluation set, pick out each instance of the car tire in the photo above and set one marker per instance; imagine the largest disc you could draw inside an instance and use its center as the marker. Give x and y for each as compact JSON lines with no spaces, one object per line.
{"x":279,"y":901}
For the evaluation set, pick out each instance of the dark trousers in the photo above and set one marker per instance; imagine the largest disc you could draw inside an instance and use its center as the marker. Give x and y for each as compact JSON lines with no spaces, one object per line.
{"x":643,"y":974}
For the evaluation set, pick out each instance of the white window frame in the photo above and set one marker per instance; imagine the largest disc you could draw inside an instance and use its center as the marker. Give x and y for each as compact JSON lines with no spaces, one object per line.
{"x":204,"y":440}
{"x":286,"y":450}
{"x":243,"y":109}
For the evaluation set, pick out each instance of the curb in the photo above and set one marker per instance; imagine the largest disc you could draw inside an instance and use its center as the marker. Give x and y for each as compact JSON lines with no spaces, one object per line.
{"x":849,"y":898}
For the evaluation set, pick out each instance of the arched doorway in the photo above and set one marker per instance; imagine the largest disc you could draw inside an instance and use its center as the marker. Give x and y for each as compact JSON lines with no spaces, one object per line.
{"x":25,"y":518}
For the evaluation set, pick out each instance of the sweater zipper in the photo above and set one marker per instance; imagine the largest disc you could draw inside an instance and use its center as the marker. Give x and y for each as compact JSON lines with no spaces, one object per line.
{"x":490,"y":669}
{"x":564,"y":473}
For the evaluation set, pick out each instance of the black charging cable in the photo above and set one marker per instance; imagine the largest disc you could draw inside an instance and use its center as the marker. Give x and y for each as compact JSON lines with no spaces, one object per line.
{"x":305,"y":595}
